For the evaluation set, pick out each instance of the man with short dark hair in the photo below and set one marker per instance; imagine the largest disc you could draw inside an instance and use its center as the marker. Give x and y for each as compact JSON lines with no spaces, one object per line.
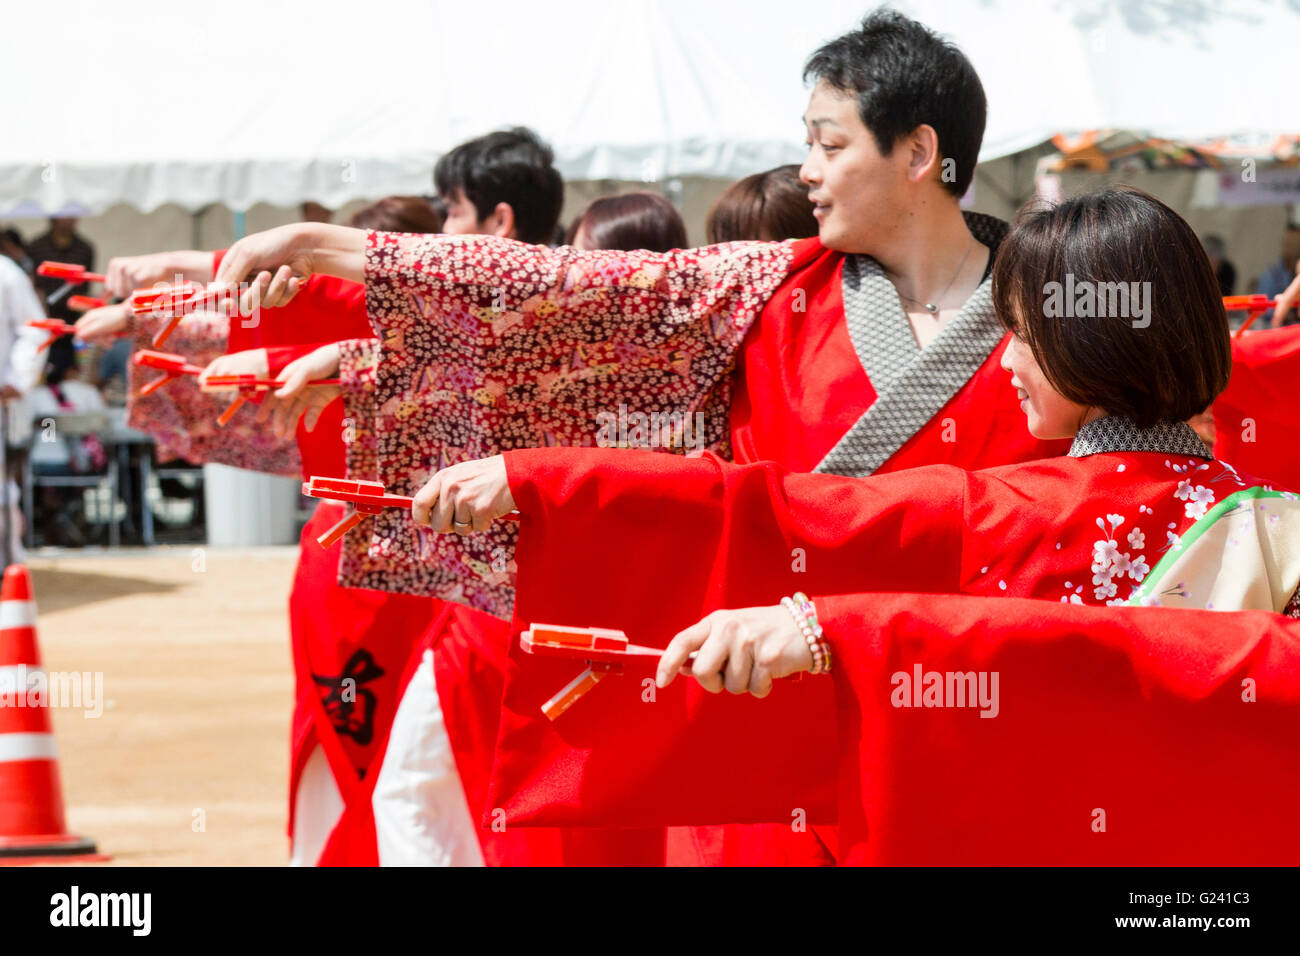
{"x":502,"y":184}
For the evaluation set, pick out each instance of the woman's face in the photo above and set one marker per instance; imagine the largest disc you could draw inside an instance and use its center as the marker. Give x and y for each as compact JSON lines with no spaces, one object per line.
{"x":1049,"y":413}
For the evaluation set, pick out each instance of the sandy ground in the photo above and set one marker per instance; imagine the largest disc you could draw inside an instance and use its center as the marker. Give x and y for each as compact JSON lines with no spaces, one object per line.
{"x":188,"y":764}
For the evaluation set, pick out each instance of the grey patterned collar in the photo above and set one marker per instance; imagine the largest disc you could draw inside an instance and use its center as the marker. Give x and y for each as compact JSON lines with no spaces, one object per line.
{"x":912,"y":384}
{"x":1116,"y":433}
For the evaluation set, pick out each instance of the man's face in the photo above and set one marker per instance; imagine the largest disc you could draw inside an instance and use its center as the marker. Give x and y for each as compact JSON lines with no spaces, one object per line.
{"x":855,"y":190}
{"x":463,"y":220}
{"x":462,"y":217}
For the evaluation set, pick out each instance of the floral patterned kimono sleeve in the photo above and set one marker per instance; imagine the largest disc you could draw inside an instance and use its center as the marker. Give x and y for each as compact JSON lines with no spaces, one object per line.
{"x":488,"y":344}
{"x":183,"y":420}
{"x":357,"y":361}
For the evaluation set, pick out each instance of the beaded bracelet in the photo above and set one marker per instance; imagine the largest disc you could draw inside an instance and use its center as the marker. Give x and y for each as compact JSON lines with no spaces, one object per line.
{"x":803,"y":612}
{"x":805,"y":604}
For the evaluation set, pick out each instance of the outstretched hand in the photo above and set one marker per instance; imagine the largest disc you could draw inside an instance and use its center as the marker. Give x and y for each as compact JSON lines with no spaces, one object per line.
{"x":465,"y":497}
{"x":274,"y":264}
{"x":101,"y":326}
{"x":742,"y":651}
{"x":295,"y":399}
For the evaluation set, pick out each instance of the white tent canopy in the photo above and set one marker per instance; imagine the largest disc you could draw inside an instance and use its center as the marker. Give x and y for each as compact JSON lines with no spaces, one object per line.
{"x":244,"y":102}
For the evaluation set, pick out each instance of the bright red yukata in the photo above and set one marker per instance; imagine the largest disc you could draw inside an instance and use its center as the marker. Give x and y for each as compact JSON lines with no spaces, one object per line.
{"x":489,"y":344}
{"x":1109,"y":527}
{"x":1255,"y":424}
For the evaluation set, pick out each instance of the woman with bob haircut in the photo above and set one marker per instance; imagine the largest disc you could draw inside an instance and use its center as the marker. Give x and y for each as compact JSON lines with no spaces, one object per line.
{"x":769,"y":206}
{"x":630,"y":221}
{"x":1119,"y":336}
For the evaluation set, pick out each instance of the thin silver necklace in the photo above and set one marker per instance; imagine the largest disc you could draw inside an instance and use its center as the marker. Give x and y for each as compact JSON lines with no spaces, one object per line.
{"x":931,"y":307}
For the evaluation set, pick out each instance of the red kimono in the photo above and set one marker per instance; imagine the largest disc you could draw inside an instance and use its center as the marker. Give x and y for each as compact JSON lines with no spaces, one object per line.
{"x":1140,"y":516}
{"x":1254,"y":421}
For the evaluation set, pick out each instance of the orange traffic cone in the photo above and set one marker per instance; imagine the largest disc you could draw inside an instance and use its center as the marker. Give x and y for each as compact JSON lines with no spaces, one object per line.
{"x":31,"y":798}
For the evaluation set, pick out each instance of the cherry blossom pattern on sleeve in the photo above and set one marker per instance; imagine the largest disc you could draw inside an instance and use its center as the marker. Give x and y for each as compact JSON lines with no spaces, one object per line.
{"x":358,"y":359}
{"x":489,"y":345}
{"x":1120,"y":556}
{"x":183,"y":420}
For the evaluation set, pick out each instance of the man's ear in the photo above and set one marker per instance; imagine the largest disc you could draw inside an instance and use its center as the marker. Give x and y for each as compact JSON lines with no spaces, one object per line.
{"x":923,"y":158}
{"x":504,"y":221}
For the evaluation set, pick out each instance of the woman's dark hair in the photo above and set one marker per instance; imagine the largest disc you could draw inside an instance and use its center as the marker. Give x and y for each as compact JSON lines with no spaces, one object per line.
{"x":398,"y":214}
{"x":1117,"y":300}
{"x":773,"y":205}
{"x":631,"y":221}
{"x":511,"y":166}
{"x":904,"y":75}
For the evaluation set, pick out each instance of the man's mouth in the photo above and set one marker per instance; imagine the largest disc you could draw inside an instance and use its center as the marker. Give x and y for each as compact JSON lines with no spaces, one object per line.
{"x":820,"y":209}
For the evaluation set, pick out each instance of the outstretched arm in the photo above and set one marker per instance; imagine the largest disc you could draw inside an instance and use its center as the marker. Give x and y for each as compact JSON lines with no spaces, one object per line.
{"x":127,"y":273}
{"x":275,"y":263}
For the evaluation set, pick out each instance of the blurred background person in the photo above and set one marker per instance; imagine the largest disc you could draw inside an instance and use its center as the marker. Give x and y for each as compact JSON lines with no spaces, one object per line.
{"x":13,"y":246}
{"x":770,"y":206}
{"x":1224,"y":271}
{"x":61,"y":244}
{"x":1274,"y":280}
{"x":639,"y":220}
{"x":60,"y":512}
{"x":19,"y":304}
{"x":20,"y":367}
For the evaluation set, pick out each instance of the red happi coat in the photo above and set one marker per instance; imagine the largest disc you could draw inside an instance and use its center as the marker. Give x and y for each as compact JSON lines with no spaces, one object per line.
{"x":1254,"y":420}
{"x":659,"y":542}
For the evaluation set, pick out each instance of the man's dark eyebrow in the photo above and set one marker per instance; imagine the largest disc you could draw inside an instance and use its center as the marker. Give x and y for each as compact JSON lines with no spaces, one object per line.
{"x":820,"y":121}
